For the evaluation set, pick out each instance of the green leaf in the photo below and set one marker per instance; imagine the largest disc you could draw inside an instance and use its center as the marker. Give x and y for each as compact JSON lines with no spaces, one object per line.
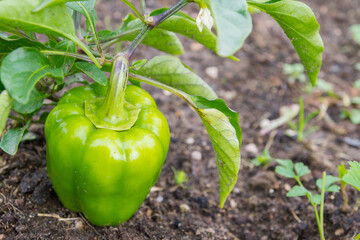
{"x":357,"y":84}
{"x":76,"y":78}
{"x":329,"y":180}
{"x":10,"y":141}
{"x":62,"y":61}
{"x":353,"y":175}
{"x":341,"y":170}
{"x":355,"y":31}
{"x":357,"y":237}
{"x":86,"y":8}
{"x":316,"y":199}
{"x":353,"y":115}
{"x":136,"y":66}
{"x":54,"y":20}
{"x":22,"y":69}
{"x":5,"y":106}
{"x":9,"y":44}
{"x":18,"y":14}
{"x":301,"y":169}
{"x":286,"y":168}
{"x":263,"y":159}
{"x":297,"y":191}
{"x":183,"y":24}
{"x":88,"y":4}
{"x":33,"y":105}
{"x":355,"y":100}
{"x":158,"y":38}
{"x":223,"y":127}
{"x":133,"y":8}
{"x":93,"y":72}
{"x":29,"y":136}
{"x":171,"y":71}
{"x":232,"y":22}
{"x":300,"y":25}
{"x":49,"y":3}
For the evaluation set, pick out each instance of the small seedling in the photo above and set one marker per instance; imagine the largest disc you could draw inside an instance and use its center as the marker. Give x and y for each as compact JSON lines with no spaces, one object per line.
{"x":352,"y":177}
{"x":294,"y":72}
{"x":325,"y":184}
{"x":180,"y":177}
{"x":357,"y":66}
{"x":263,"y":159}
{"x":321,"y":85}
{"x":355,"y":31}
{"x":342,"y":172}
{"x":298,"y":129}
{"x":357,"y":84}
{"x":353,"y":115}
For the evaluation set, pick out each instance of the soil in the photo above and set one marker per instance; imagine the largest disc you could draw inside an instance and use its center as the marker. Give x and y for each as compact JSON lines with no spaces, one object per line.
{"x":256,"y":88}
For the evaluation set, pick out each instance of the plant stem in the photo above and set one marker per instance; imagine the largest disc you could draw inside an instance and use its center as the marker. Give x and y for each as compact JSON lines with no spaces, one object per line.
{"x":143,"y":7}
{"x":322,"y":206}
{"x":300,"y":133}
{"x":168,"y":13}
{"x":318,"y":221}
{"x":68,"y":54}
{"x":160,"y":85}
{"x":97,"y":54}
{"x":115,"y":37}
{"x":20,"y":120}
{"x":55,"y":39}
{"x":344,"y":194}
{"x":139,"y":38}
{"x":153,"y":22}
{"x":134,"y":9}
{"x":93,"y":29}
{"x":112,"y":109}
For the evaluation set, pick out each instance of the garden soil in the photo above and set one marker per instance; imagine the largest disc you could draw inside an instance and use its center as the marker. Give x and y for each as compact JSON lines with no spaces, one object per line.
{"x":256,"y":88}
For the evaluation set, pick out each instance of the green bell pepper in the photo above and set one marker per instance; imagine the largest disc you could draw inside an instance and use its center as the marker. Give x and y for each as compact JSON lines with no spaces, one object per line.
{"x":98,"y":163}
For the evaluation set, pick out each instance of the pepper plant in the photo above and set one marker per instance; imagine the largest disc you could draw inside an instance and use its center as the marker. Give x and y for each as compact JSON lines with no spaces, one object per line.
{"x":106,"y":141}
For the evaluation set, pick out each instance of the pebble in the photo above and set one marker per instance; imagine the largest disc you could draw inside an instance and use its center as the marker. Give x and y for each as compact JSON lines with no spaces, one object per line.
{"x":79,"y":224}
{"x":190,"y":141}
{"x":196,"y":46}
{"x":184,"y":207}
{"x":212,"y":72}
{"x":252,"y":149}
{"x":228,"y":95}
{"x":339,"y":232}
{"x":264,"y":123}
{"x":159,"y":199}
{"x":207,"y":231}
{"x":233,"y":203}
{"x":287,"y":187}
{"x":196,"y":155}
{"x":203,"y":202}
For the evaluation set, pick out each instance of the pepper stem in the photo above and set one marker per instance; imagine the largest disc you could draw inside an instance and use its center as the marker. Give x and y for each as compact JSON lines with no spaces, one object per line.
{"x":112,"y":109}
{"x":114,"y":112}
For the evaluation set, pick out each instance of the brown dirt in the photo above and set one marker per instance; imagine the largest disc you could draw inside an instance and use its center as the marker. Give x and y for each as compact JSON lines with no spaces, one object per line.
{"x":258,"y":207}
